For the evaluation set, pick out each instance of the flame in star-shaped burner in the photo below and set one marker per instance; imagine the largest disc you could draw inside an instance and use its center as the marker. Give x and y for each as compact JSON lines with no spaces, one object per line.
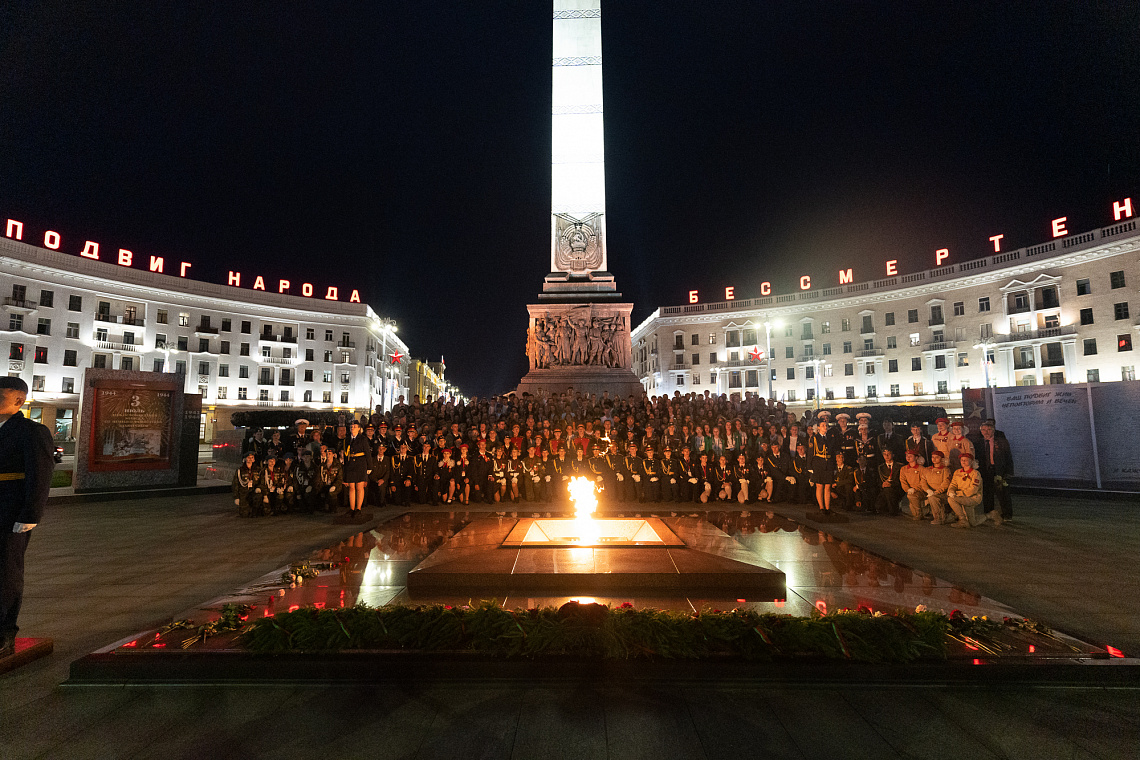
{"x":585,"y":504}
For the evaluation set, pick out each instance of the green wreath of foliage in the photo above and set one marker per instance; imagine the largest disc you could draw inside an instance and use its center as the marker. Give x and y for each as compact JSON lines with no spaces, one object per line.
{"x":597,"y":631}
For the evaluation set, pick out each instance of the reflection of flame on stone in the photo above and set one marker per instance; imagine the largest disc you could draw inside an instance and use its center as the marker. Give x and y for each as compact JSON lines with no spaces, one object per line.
{"x":585,"y":503}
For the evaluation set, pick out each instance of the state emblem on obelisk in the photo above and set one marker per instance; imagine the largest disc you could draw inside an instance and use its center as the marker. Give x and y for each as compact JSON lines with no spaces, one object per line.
{"x":578,"y":248}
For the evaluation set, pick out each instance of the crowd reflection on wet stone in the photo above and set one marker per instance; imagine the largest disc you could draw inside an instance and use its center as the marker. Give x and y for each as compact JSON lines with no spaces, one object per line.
{"x":821,"y":569}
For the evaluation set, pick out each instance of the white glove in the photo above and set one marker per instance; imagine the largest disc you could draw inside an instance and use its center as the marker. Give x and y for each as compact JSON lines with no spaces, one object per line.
{"x":653,"y":480}
{"x":929,"y":492}
{"x":23,"y":527}
{"x":565,"y":477}
{"x":536,"y":479}
{"x":636,"y":478}
{"x":767,"y":480}
{"x":693,"y":481}
{"x":910,"y":490}
{"x":791,"y":480}
{"x":672,"y":481}
{"x":237,"y":503}
{"x":547,"y":478}
{"x":598,"y":479}
{"x":620,"y":477}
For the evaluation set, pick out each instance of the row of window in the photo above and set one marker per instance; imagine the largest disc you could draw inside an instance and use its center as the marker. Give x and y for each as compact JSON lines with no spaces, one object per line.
{"x":1020,"y":303}
{"x":75,"y":303}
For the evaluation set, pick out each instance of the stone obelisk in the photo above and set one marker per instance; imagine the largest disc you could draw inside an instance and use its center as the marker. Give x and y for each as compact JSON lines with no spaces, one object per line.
{"x":579,"y":333}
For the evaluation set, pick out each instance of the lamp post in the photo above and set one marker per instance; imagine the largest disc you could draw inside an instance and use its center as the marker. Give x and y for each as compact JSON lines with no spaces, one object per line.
{"x":815,"y":373}
{"x":768,"y":328}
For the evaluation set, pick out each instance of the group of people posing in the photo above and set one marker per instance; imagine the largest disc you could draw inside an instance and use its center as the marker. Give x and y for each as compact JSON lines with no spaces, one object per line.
{"x":682,"y":449}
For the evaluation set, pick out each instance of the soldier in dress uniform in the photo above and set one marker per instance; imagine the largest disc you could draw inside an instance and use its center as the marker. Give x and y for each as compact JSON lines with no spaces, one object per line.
{"x":706,"y":484}
{"x":425,"y":475}
{"x":611,"y":466}
{"x":245,"y":484}
{"x":306,"y":482}
{"x":890,"y":491}
{"x":686,"y":478}
{"x":843,"y":485}
{"x":27,"y":460}
{"x":559,"y":472}
{"x":865,"y":443}
{"x":866,"y":484}
{"x":803,"y":492}
{"x":650,"y":476}
{"x":402,"y":475}
{"x":670,"y":476}
{"x":822,"y":466}
{"x":630,"y":474}
{"x":842,"y":437}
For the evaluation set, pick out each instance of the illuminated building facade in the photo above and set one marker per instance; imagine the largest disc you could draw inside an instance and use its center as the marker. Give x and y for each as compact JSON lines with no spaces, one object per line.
{"x":1064,"y":311}
{"x":239,"y":348}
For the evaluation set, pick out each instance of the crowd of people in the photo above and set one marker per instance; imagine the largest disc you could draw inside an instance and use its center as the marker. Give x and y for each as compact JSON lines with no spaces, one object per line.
{"x":695,"y":448}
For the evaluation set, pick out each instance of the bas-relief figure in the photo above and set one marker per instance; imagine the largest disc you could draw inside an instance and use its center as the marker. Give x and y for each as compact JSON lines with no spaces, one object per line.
{"x":569,"y":341}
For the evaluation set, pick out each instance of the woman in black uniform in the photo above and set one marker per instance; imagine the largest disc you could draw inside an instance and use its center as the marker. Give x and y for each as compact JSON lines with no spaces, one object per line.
{"x":822,"y":467}
{"x":356,"y":458}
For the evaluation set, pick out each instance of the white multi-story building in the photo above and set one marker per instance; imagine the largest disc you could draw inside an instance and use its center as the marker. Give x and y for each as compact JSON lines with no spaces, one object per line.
{"x":1060,"y":312}
{"x":240,"y":349}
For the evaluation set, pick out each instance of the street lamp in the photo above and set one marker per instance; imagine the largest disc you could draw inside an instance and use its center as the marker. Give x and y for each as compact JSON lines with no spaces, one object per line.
{"x":816,"y":364}
{"x":768,"y":327}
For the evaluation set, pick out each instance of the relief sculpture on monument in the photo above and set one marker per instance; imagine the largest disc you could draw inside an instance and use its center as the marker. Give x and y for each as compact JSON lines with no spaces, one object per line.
{"x":578,"y":341}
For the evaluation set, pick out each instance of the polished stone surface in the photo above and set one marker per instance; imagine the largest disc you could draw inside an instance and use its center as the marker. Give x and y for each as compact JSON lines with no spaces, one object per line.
{"x":99,"y":572}
{"x":491,"y":556}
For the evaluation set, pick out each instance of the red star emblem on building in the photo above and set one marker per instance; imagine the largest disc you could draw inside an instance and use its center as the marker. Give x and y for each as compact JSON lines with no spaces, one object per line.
{"x":755,"y":355}
{"x":396,"y":357}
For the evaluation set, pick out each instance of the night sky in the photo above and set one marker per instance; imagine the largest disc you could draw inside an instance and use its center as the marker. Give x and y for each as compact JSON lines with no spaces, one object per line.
{"x":404,"y":148}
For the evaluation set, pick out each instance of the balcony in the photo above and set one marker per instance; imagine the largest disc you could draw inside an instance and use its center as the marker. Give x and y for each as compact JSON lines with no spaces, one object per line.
{"x":15,"y":365}
{"x":107,"y":345}
{"x":869,"y":352}
{"x":936,"y":322}
{"x":681,"y":365}
{"x":205,"y":330}
{"x":289,"y":383}
{"x":942,"y":345}
{"x":20,"y":306}
{"x":1047,"y":332}
{"x":203,"y":379}
{"x":867,"y":330}
{"x":263,"y":338}
{"x":274,"y":360}
{"x":808,"y":358}
{"x":1059,"y":362}
{"x":346,"y":344}
{"x":118,"y":319}
{"x":1023,"y":364}
{"x":275,"y":404}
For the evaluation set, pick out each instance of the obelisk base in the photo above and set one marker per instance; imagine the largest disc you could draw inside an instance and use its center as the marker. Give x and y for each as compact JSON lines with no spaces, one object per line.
{"x":580,"y":345}
{"x":620,"y":383}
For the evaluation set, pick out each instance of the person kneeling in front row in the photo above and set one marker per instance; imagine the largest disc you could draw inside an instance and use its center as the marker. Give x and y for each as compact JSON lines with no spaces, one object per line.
{"x":965,"y":494}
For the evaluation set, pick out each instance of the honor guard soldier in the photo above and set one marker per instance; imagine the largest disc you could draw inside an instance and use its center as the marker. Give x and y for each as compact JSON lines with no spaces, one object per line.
{"x":630,"y":475}
{"x":801,"y":473}
{"x":843,"y":492}
{"x":776,"y":465}
{"x":402,"y":473}
{"x":27,"y":460}
{"x":650,"y":477}
{"x":686,"y":477}
{"x":890,"y":491}
{"x":598,"y":467}
{"x":843,"y":437}
{"x":247,"y":494}
{"x":866,"y":485}
{"x":559,"y":471}
{"x":610,"y":470}
{"x":670,"y":476}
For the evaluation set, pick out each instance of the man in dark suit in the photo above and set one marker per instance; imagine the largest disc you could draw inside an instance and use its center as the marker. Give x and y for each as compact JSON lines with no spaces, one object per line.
{"x":26,"y":464}
{"x":995,"y":465}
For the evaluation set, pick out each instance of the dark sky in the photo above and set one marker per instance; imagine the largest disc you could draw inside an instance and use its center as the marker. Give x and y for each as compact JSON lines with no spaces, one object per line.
{"x":404,"y":147}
